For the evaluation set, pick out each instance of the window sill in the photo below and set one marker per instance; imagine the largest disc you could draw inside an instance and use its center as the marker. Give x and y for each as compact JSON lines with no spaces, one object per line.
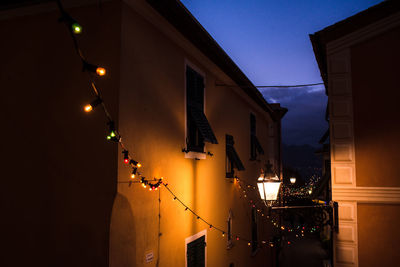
{"x":195,"y":155}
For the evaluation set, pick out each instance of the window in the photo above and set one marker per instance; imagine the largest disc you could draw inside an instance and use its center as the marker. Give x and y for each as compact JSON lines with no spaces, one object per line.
{"x":196,"y":250}
{"x":198,"y":128}
{"x":229,"y":244}
{"x":255,"y":146}
{"x":232,"y":159}
{"x":254,"y":231}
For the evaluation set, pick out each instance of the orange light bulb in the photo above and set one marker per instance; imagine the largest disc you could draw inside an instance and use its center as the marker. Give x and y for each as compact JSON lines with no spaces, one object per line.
{"x":101,"y":71}
{"x":88,"y":108}
{"x":139,"y":165}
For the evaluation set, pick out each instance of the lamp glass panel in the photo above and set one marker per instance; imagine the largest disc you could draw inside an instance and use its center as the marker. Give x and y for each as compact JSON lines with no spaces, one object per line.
{"x":261,"y":190}
{"x":271,"y":190}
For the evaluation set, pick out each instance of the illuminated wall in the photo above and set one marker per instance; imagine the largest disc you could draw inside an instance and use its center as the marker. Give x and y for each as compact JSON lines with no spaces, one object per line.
{"x":61,"y":201}
{"x":152,"y":124}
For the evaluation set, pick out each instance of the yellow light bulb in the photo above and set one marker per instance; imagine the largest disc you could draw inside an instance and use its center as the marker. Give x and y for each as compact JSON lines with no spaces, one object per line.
{"x":101,"y":71}
{"x":88,"y":108}
{"x":77,"y":30}
{"x":139,"y":165}
{"x":132,"y":175}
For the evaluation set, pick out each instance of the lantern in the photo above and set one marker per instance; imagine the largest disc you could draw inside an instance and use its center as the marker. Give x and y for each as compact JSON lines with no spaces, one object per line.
{"x":268,"y":187}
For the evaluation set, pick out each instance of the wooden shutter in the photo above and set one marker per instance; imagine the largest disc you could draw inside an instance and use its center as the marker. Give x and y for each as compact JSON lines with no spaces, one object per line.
{"x":199,"y":129}
{"x":195,"y":252}
{"x":202,"y":125}
{"x":232,"y":155}
{"x":255,"y":146}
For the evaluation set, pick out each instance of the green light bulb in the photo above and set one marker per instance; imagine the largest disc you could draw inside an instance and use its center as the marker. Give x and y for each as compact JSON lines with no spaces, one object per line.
{"x":76,"y":28}
{"x":112,"y":134}
{"x":108,"y":137}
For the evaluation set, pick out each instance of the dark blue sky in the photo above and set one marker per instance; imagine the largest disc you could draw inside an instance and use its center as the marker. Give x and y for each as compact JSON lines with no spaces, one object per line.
{"x":269,"y":41}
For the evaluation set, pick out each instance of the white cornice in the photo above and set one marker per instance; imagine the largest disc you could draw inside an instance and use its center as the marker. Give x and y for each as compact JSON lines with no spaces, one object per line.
{"x":389,"y":195}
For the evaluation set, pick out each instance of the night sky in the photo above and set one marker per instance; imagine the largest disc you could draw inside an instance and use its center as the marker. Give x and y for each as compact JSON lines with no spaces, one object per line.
{"x":269,"y":41}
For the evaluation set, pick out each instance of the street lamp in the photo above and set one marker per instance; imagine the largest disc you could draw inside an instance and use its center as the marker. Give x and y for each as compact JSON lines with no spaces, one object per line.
{"x":268,"y":186}
{"x":292,"y":180}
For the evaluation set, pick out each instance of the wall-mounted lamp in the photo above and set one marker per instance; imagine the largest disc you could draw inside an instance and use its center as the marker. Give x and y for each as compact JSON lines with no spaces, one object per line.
{"x":268,"y":188}
{"x":268,"y":185}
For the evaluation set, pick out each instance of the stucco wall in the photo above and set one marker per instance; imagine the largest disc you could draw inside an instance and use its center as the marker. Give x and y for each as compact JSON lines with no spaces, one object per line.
{"x":59,"y":173}
{"x":152,"y":123}
{"x":378,"y":235}
{"x":376,"y":94}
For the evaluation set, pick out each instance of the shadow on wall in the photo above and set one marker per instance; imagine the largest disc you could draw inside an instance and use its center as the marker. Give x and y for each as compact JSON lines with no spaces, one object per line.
{"x":122,"y":235}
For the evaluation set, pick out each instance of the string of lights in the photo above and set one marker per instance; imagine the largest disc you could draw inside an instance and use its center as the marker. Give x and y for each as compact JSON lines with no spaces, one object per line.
{"x":298,"y":230}
{"x":74,"y":29}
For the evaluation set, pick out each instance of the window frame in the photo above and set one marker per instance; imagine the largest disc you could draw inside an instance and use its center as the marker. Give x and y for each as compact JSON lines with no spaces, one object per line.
{"x":194,"y":151}
{"x":229,"y":239}
{"x":254,"y":228}
{"x":255,"y":146}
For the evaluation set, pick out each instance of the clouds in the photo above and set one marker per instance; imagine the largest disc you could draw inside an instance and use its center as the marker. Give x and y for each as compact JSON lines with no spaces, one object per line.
{"x":305,"y":121}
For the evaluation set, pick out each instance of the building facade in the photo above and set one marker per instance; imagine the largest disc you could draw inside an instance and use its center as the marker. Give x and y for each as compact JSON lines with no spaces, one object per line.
{"x":182,"y":108}
{"x":358,"y":59}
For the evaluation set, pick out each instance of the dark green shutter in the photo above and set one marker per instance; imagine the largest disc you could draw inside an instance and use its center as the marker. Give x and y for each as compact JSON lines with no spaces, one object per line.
{"x":195,"y":252}
{"x":232,"y":155}
{"x":199,"y":129}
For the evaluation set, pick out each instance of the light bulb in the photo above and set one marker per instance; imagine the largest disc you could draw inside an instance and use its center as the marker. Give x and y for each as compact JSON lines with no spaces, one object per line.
{"x":100,"y":71}
{"x":88,"y":108}
{"x":76,"y":28}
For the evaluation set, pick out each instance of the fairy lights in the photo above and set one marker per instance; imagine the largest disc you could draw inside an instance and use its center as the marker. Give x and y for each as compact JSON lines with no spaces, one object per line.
{"x":298,"y":231}
{"x":71,"y":23}
{"x":93,"y":104}
{"x":126,"y":156}
{"x":100,"y":71}
{"x":113,"y":135}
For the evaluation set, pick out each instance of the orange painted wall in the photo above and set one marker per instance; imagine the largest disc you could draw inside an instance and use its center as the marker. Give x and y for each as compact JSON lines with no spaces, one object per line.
{"x":59,"y":174}
{"x":378,"y":236}
{"x":152,"y":123}
{"x":376,"y":94}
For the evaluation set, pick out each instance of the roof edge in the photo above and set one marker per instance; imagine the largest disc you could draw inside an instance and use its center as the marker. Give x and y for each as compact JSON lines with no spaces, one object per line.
{"x":181,"y":18}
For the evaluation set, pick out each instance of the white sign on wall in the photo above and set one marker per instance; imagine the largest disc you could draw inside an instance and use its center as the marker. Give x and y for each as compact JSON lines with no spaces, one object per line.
{"x":149,"y":256}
